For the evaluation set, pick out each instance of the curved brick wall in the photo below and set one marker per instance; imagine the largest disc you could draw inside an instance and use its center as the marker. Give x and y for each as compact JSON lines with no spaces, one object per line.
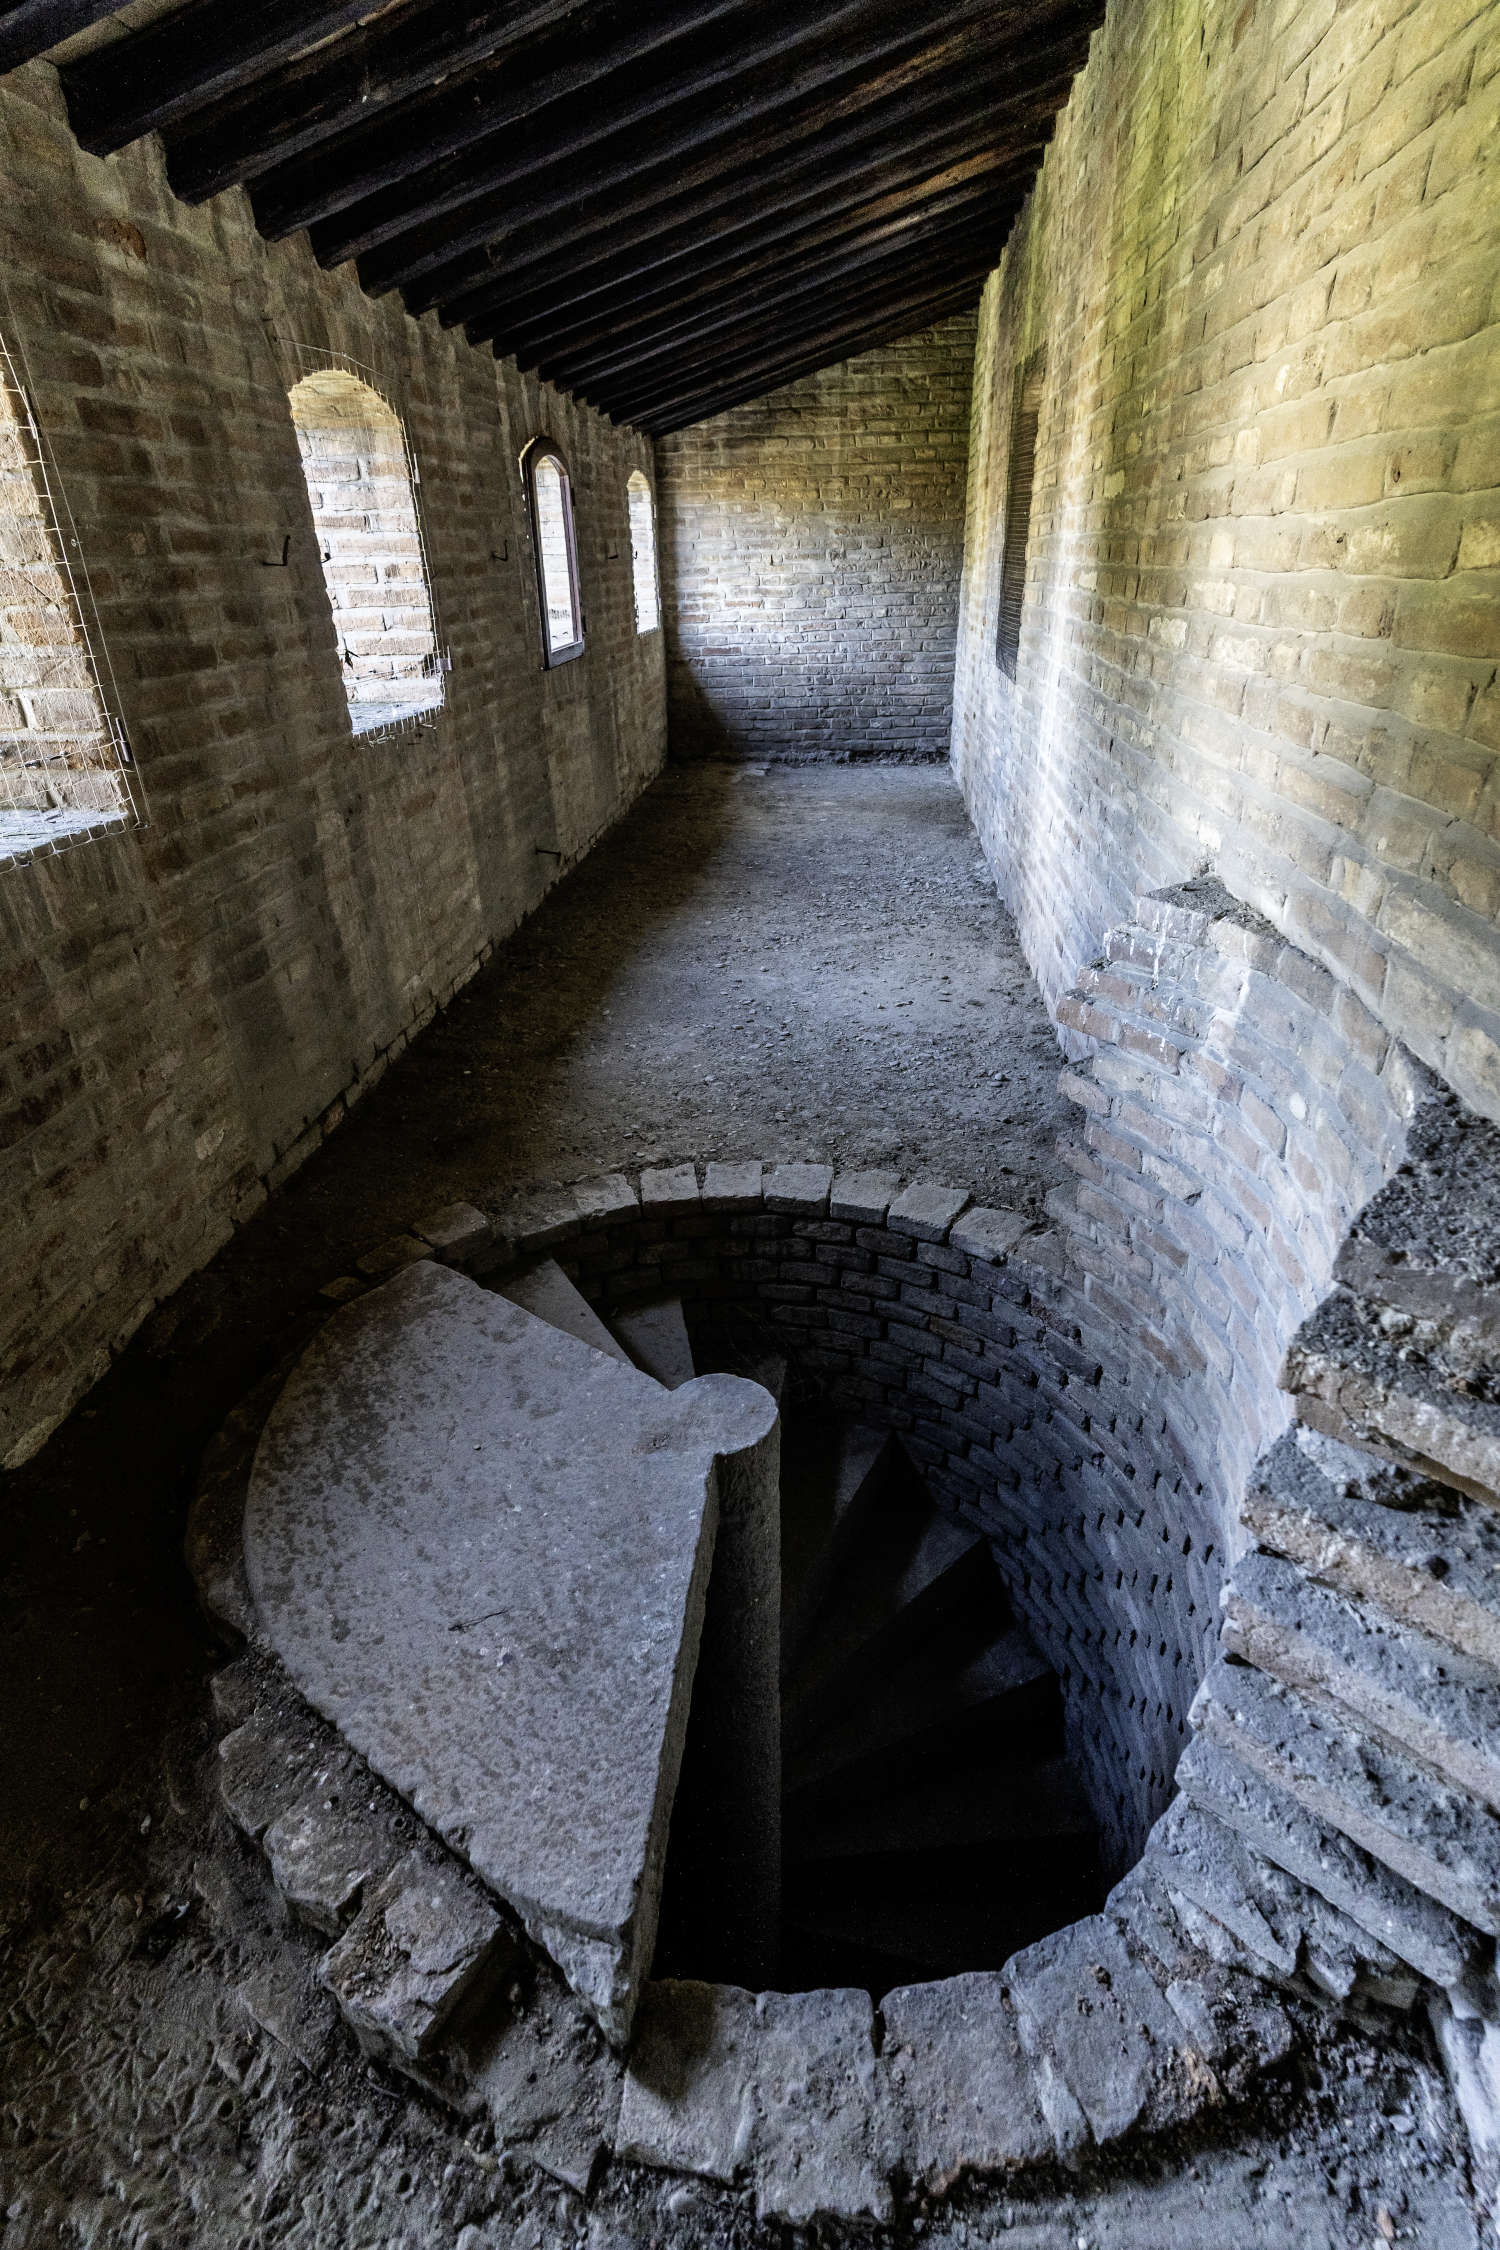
{"x":1091,"y":1393}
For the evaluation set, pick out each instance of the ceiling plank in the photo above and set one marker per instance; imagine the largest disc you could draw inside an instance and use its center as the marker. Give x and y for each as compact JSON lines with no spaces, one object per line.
{"x":30,"y":27}
{"x":193,"y":56}
{"x":761,"y":344}
{"x":686,"y":412}
{"x":969,"y":216}
{"x":398,"y":236}
{"x":748,"y":379}
{"x":309,"y":171}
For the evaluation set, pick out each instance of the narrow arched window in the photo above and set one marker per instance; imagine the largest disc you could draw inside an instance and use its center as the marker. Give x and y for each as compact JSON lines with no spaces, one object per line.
{"x":554,"y":544}
{"x":360,"y":484}
{"x":64,"y":759}
{"x":643,"y":553}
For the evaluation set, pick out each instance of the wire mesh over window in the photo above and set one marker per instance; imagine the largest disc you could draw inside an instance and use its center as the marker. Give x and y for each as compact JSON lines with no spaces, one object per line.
{"x":361,"y":484}
{"x":1025,"y":415}
{"x":643,"y":553}
{"x":551,"y":496}
{"x":64,"y":760}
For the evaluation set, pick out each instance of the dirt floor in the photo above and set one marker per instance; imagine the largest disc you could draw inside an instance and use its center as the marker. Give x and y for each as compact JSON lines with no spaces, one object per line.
{"x":783,"y":963}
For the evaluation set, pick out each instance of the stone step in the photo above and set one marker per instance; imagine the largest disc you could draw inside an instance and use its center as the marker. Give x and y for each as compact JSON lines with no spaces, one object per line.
{"x":1286,"y":1924}
{"x":965,"y":1812}
{"x":914,"y":1570}
{"x":546,"y":1291}
{"x":656,"y":1340}
{"x":948,"y":1703}
{"x":1366,"y":1376}
{"x":1436,"y":1942}
{"x":1442,"y":1706}
{"x":1437,"y":1567}
{"x":823,"y":1513}
{"x":1441,"y":1839}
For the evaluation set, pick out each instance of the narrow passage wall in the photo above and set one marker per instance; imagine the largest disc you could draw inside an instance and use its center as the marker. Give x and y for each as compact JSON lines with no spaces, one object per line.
{"x":188,"y":1007}
{"x":812,"y":544}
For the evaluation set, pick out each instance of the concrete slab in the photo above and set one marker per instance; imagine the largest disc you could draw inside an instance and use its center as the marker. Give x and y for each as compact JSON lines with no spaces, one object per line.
{"x":482,"y":1550}
{"x":546,"y":1291}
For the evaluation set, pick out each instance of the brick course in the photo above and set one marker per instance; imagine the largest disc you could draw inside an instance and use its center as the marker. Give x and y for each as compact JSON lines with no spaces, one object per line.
{"x":811,"y":544}
{"x":187,"y":1008}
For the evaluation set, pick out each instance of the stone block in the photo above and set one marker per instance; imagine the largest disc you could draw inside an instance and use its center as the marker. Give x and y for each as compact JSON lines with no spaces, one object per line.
{"x":323,"y":1852}
{"x":732,"y":1187}
{"x":988,"y":1234}
{"x":863,"y":1198}
{"x":926,"y":1210}
{"x":425,"y":1941}
{"x":1443,"y":1706}
{"x":264,"y":1766}
{"x":457,"y":1233}
{"x":550,"y":2084}
{"x":604,"y":1201}
{"x":281,"y":1996}
{"x":1437,"y":1943}
{"x":1118,"y":2049}
{"x":669,"y":1189}
{"x":540,"y":1221}
{"x":1440,"y":1839}
{"x":390,"y":1256}
{"x":687,"y":2104}
{"x":800,"y":1190}
{"x":818,"y":2135}
{"x":963,"y":2095}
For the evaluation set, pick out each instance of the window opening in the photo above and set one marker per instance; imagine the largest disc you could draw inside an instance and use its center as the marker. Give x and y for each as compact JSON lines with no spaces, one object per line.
{"x":362,"y":487}
{"x":1025,"y":415}
{"x":643,"y":553}
{"x":556,"y":547}
{"x":64,"y":760}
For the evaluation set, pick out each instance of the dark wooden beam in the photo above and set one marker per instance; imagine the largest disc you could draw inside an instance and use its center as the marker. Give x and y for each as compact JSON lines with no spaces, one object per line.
{"x":310,"y":170}
{"x":367,"y":78}
{"x":909,"y":204}
{"x":855,"y":125}
{"x":30,"y":27}
{"x":759,"y":346}
{"x":819,"y":199}
{"x":734,"y":384}
{"x":732,"y":181}
{"x":968,"y":217}
{"x":399,"y":236}
{"x":718,"y":400}
{"x":193,"y":56}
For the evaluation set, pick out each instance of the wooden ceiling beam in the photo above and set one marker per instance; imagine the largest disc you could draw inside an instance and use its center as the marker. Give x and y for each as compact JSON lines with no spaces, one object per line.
{"x":968,"y":213}
{"x":195,"y":56}
{"x":582,"y":235}
{"x":399,"y":238}
{"x":828,"y":201}
{"x":752,"y":376}
{"x":684,"y":413}
{"x":790,"y":249}
{"x":29,"y":27}
{"x":760,"y":344}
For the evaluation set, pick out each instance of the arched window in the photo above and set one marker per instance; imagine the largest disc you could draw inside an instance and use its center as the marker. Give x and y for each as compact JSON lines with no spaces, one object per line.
{"x":550,"y":491}
{"x":360,"y":483}
{"x":643,"y":553}
{"x":63,"y":760}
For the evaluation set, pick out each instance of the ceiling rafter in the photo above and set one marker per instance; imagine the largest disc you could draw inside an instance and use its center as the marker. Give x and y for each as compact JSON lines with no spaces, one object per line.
{"x":664,"y":209}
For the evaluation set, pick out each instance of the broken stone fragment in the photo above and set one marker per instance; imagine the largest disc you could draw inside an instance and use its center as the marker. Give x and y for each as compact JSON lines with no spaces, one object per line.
{"x":425,"y":1941}
{"x":322,"y":1856}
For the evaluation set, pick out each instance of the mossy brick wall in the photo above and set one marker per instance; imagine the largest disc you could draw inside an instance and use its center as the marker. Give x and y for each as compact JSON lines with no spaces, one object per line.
{"x":187,"y":1008}
{"x":1262,"y":616}
{"x":811,"y":547}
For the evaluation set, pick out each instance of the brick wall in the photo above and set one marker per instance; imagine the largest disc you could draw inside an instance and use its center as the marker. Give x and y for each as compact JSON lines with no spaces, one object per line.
{"x":1260,"y":630}
{"x":811,"y":551}
{"x":188,"y":1006}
